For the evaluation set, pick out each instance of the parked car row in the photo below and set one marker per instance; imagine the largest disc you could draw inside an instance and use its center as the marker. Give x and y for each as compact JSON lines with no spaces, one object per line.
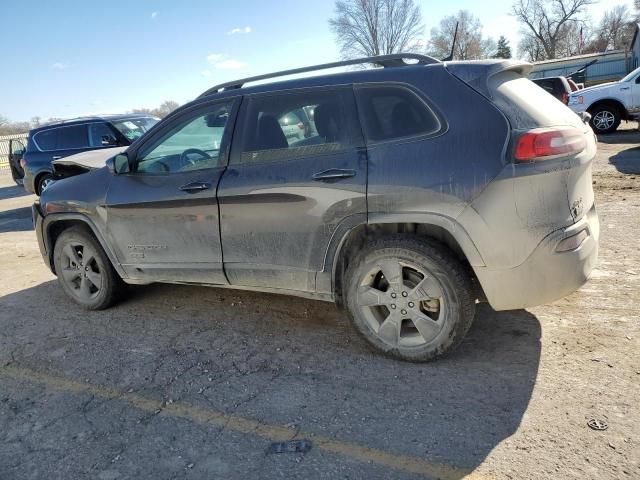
{"x":375,"y":189}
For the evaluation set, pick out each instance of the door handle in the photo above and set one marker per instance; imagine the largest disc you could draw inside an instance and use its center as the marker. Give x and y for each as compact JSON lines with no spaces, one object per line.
{"x":195,"y":187}
{"x":625,"y":88}
{"x":333,"y":174}
{"x":56,"y":157}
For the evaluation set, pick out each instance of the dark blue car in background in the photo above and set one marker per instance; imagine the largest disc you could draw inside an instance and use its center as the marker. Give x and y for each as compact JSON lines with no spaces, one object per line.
{"x":64,"y":138}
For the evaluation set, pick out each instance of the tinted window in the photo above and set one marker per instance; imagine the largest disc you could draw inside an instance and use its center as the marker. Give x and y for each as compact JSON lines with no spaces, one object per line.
{"x":73,"y":137}
{"x":96,"y":133}
{"x":394,"y":112}
{"x":287,"y":126}
{"x":193,"y":144}
{"x":47,"y":139}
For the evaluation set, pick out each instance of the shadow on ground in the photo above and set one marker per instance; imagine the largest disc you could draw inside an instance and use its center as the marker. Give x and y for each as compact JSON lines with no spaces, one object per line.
{"x":13,"y":191}
{"x":621,"y":136}
{"x":16,"y":220}
{"x":276,"y":359}
{"x":627,"y":161}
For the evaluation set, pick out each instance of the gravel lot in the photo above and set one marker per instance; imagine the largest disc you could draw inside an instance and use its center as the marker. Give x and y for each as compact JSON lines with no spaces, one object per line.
{"x":185,"y":382}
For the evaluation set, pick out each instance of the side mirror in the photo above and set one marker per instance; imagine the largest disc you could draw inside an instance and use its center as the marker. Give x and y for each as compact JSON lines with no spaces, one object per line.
{"x":120,"y":164}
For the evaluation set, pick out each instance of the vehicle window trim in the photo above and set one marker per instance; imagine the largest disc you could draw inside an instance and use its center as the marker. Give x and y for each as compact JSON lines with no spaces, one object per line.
{"x":190,"y":112}
{"x":431,"y":107}
{"x":237,"y":147}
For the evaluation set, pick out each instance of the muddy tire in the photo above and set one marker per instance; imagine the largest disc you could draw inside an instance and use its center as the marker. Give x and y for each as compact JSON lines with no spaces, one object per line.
{"x":409,"y":298}
{"x":84,"y":271}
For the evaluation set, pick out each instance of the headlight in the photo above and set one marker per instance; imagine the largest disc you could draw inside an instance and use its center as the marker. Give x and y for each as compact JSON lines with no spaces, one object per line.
{"x":577,"y":100}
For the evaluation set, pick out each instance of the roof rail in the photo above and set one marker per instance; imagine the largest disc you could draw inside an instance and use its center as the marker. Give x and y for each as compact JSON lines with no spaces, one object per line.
{"x":386,"y":61}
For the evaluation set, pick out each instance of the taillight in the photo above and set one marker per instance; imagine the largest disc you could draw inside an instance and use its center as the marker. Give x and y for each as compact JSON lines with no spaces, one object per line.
{"x":565,"y":98}
{"x":546,"y":143}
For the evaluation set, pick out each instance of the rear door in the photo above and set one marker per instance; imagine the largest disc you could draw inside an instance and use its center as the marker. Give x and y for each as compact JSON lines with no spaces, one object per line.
{"x":162,"y":218}
{"x":283,"y":196}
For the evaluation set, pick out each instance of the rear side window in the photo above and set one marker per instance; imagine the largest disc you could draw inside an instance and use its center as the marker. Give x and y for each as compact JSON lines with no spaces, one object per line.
{"x":296,"y":125}
{"x":392,"y":112}
{"x":47,"y":139}
{"x":72,"y":137}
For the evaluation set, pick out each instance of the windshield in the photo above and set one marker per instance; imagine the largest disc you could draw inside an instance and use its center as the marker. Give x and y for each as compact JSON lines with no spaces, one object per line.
{"x":631,"y":75}
{"x":133,"y":128}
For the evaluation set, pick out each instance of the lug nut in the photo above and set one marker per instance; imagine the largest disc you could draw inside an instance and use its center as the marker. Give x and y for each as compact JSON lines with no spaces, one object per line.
{"x":404,"y":294}
{"x":393,"y":306}
{"x":403,"y":312}
{"x":393,"y":295}
{"x":411,"y":305}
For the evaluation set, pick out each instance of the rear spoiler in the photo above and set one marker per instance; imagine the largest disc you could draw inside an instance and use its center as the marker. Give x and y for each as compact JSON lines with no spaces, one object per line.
{"x":478,"y":72}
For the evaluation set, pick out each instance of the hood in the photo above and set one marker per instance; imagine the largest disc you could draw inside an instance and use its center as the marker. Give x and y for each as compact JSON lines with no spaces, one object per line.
{"x":89,"y":160}
{"x":595,"y":88}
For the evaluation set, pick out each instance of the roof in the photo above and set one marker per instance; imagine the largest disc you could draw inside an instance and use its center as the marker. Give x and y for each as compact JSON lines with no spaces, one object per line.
{"x":112,"y":117}
{"x":575,"y":58}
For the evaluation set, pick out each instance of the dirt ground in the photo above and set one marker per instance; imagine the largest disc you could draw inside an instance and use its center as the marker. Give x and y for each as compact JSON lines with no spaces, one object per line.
{"x":184,"y":382}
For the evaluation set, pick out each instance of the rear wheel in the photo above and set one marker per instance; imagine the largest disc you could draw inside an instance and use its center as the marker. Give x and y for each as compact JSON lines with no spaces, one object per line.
{"x":605,"y":118}
{"x":84,"y":271}
{"x":409,"y":298}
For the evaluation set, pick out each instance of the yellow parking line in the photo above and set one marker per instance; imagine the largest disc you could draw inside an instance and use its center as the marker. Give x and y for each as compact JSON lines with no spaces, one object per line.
{"x":245,"y":425}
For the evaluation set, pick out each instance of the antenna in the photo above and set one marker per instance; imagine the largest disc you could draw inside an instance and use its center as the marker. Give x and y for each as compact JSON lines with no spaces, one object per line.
{"x":453,"y":45}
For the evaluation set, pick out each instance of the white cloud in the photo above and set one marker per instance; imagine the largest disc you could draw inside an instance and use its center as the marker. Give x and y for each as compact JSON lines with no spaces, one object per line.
{"x":154,"y":15}
{"x":59,"y":66}
{"x":215,"y":58}
{"x":246,"y":29}
{"x":230,"y":64}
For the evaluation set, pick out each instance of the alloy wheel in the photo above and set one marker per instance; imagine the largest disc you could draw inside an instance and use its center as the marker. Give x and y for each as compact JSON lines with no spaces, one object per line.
{"x":604,"y":120}
{"x":402,"y":303}
{"x":81,"y":271}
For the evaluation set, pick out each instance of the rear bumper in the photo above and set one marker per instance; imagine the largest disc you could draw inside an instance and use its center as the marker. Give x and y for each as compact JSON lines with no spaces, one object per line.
{"x":547,"y":275}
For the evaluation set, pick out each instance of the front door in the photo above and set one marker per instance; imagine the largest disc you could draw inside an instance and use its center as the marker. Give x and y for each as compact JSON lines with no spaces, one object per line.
{"x":16,"y":150}
{"x":297,"y":171}
{"x":162,"y":217}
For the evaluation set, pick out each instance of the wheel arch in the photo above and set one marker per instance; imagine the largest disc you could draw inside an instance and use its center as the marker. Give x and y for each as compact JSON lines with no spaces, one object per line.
{"x":610,"y":101}
{"x":55,"y":224}
{"x":437,"y":228}
{"x":37,"y":178}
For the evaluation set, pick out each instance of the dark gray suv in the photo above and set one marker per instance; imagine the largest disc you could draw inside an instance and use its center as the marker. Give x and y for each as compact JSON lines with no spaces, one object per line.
{"x":419,"y":190}
{"x":61,"y":139}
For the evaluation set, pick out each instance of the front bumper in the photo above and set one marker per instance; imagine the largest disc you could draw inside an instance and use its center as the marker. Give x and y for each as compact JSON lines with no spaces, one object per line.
{"x":38,"y":222}
{"x":547,"y":275}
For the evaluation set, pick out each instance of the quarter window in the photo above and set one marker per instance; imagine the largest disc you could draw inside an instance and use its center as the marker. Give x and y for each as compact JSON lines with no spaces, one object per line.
{"x":47,"y":139}
{"x":296,"y":125}
{"x":391,"y":112}
{"x":193,"y":144}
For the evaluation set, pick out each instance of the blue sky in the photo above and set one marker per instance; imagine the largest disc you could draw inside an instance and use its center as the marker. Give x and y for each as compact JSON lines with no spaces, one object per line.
{"x":65,"y":58}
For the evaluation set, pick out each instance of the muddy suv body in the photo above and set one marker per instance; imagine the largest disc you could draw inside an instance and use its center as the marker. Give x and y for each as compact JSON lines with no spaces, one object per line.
{"x":424,"y":189}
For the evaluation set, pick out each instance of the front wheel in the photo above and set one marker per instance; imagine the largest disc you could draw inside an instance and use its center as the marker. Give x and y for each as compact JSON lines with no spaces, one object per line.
{"x":84,"y":271}
{"x":409,"y":298}
{"x":605,"y":119}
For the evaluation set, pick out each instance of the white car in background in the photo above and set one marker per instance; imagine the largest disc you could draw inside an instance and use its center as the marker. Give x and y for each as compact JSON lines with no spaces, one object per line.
{"x":609,"y":103}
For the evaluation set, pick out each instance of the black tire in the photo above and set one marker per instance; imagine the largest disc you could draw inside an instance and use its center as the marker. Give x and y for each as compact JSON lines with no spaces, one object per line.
{"x":444,"y":314}
{"x":605,"y":118}
{"x":81,"y":264}
{"x":42,"y":180}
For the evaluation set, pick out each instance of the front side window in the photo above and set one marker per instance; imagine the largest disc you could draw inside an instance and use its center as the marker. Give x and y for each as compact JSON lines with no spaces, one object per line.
{"x":193,"y":144}
{"x":391,"y":112}
{"x":294,"y":125}
{"x":101,"y":135}
{"x":47,"y":140}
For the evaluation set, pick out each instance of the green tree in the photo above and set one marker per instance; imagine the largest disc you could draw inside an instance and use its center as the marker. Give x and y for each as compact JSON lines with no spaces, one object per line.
{"x":503,"y":49}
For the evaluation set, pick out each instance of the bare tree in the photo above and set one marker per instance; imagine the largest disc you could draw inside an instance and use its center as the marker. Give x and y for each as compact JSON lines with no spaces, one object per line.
{"x":615,"y":30}
{"x":162,"y":111}
{"x":376,"y":27}
{"x":550,"y":21}
{"x":530,"y":48}
{"x":470,"y":45}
